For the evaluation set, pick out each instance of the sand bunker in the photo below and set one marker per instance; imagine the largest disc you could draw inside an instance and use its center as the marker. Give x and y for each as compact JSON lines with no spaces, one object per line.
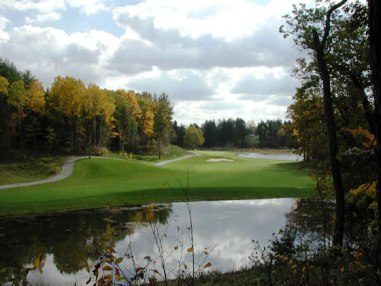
{"x":214,"y":160}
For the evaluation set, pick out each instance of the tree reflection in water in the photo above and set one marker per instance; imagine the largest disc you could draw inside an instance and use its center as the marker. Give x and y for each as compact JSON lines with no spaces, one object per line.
{"x":74,"y":239}
{"x":302,"y":252}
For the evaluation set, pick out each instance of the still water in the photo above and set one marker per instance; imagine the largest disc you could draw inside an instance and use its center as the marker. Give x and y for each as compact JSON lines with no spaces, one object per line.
{"x":63,"y":249}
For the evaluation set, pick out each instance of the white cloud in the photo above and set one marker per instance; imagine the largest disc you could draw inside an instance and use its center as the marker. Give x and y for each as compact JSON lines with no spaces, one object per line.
{"x":88,"y":6}
{"x":4,"y":36}
{"x":50,"y":52}
{"x":37,"y":5}
{"x":179,"y":85}
{"x":41,"y":18}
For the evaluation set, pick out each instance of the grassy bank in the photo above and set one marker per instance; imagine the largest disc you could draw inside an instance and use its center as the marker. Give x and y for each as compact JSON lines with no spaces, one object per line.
{"x":31,"y":170}
{"x":99,"y":183}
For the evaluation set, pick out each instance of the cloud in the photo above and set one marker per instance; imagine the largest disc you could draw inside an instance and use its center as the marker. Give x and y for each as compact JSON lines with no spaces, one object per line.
{"x":41,"y":18}
{"x":88,"y":7}
{"x":37,"y":5}
{"x":50,"y":52}
{"x":179,"y":85}
{"x":214,"y":58}
{"x":269,"y":84}
{"x":41,"y":11}
{"x":167,"y":49}
{"x":216,"y":105}
{"x":4,"y":36}
{"x":280,"y":100}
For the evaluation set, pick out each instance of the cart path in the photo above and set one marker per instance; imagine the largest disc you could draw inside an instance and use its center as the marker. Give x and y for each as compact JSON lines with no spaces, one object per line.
{"x":68,"y":166}
{"x":162,"y":163}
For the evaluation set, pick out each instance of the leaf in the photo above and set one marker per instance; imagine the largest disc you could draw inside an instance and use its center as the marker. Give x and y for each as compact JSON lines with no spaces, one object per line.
{"x":107,"y":268}
{"x":119,"y":260}
{"x":190,"y":249}
{"x":38,"y":262}
{"x":110,"y":250}
{"x":207,"y":265}
{"x":119,"y":278}
{"x":108,"y":278}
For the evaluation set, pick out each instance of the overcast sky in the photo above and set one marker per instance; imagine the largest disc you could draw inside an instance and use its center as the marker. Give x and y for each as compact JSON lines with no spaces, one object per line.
{"x":214,"y":58}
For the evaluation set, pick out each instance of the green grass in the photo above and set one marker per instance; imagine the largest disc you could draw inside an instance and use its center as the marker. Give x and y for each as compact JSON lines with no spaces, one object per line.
{"x":170,"y":152}
{"x":100,"y":183}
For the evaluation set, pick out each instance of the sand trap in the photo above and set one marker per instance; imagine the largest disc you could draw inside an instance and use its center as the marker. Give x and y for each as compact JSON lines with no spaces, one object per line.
{"x":214,"y":160}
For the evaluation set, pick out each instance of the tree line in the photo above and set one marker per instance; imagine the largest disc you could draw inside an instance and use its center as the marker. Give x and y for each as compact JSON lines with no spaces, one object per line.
{"x":234,"y":133}
{"x":71,"y":117}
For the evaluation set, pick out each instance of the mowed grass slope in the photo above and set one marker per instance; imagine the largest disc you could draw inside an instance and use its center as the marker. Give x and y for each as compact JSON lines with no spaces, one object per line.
{"x":107,"y":182}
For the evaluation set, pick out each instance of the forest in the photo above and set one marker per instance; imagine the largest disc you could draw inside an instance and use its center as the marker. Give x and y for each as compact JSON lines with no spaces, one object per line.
{"x":72,"y":118}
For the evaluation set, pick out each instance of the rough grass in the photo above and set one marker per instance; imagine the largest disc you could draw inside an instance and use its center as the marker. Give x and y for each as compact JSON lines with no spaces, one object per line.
{"x":34,"y":169}
{"x":99,"y":183}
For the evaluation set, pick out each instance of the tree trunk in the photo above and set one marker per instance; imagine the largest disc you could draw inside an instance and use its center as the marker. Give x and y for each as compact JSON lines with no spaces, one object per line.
{"x":91,"y":137}
{"x":375,"y":61}
{"x":21,"y":136}
{"x":319,"y":46}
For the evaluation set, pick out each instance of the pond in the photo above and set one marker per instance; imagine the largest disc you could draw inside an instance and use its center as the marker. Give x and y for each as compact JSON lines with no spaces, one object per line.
{"x":285,"y":157}
{"x":64,"y":249}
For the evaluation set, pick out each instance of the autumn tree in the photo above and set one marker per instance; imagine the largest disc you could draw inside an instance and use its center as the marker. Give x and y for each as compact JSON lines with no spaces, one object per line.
{"x":193,"y":137}
{"x":9,"y":72}
{"x":128,"y":116}
{"x":68,"y":94}
{"x":96,"y":105}
{"x":4,"y":85}
{"x":36,"y":106}
{"x":306,"y":113}
{"x":121,"y":120}
{"x":332,"y":35}
{"x":374,"y":24}
{"x":36,"y":97}
{"x":146,"y":119}
{"x":18,"y":98}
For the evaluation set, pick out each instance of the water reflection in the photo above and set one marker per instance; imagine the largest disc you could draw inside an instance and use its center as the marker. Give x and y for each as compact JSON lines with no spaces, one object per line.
{"x":60,"y":249}
{"x":285,"y":157}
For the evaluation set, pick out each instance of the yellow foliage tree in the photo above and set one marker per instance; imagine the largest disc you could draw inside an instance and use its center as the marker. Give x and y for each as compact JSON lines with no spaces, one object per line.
{"x":68,"y":93}
{"x":4,"y":85}
{"x":146,"y":122}
{"x":36,"y":95}
{"x":96,"y":103}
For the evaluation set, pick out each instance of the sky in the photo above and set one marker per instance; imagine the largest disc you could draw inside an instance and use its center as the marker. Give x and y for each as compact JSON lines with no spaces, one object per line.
{"x":214,"y":58}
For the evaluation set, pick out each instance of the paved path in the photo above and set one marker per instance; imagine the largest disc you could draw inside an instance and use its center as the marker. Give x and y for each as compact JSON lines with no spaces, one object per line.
{"x":67,"y":170}
{"x":162,"y":163}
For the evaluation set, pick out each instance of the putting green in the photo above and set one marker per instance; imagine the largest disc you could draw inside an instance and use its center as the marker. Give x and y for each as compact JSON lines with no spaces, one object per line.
{"x":100,"y":183}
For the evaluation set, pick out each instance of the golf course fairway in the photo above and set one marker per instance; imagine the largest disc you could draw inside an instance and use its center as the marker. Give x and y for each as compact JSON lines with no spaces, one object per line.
{"x":109,"y":183}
